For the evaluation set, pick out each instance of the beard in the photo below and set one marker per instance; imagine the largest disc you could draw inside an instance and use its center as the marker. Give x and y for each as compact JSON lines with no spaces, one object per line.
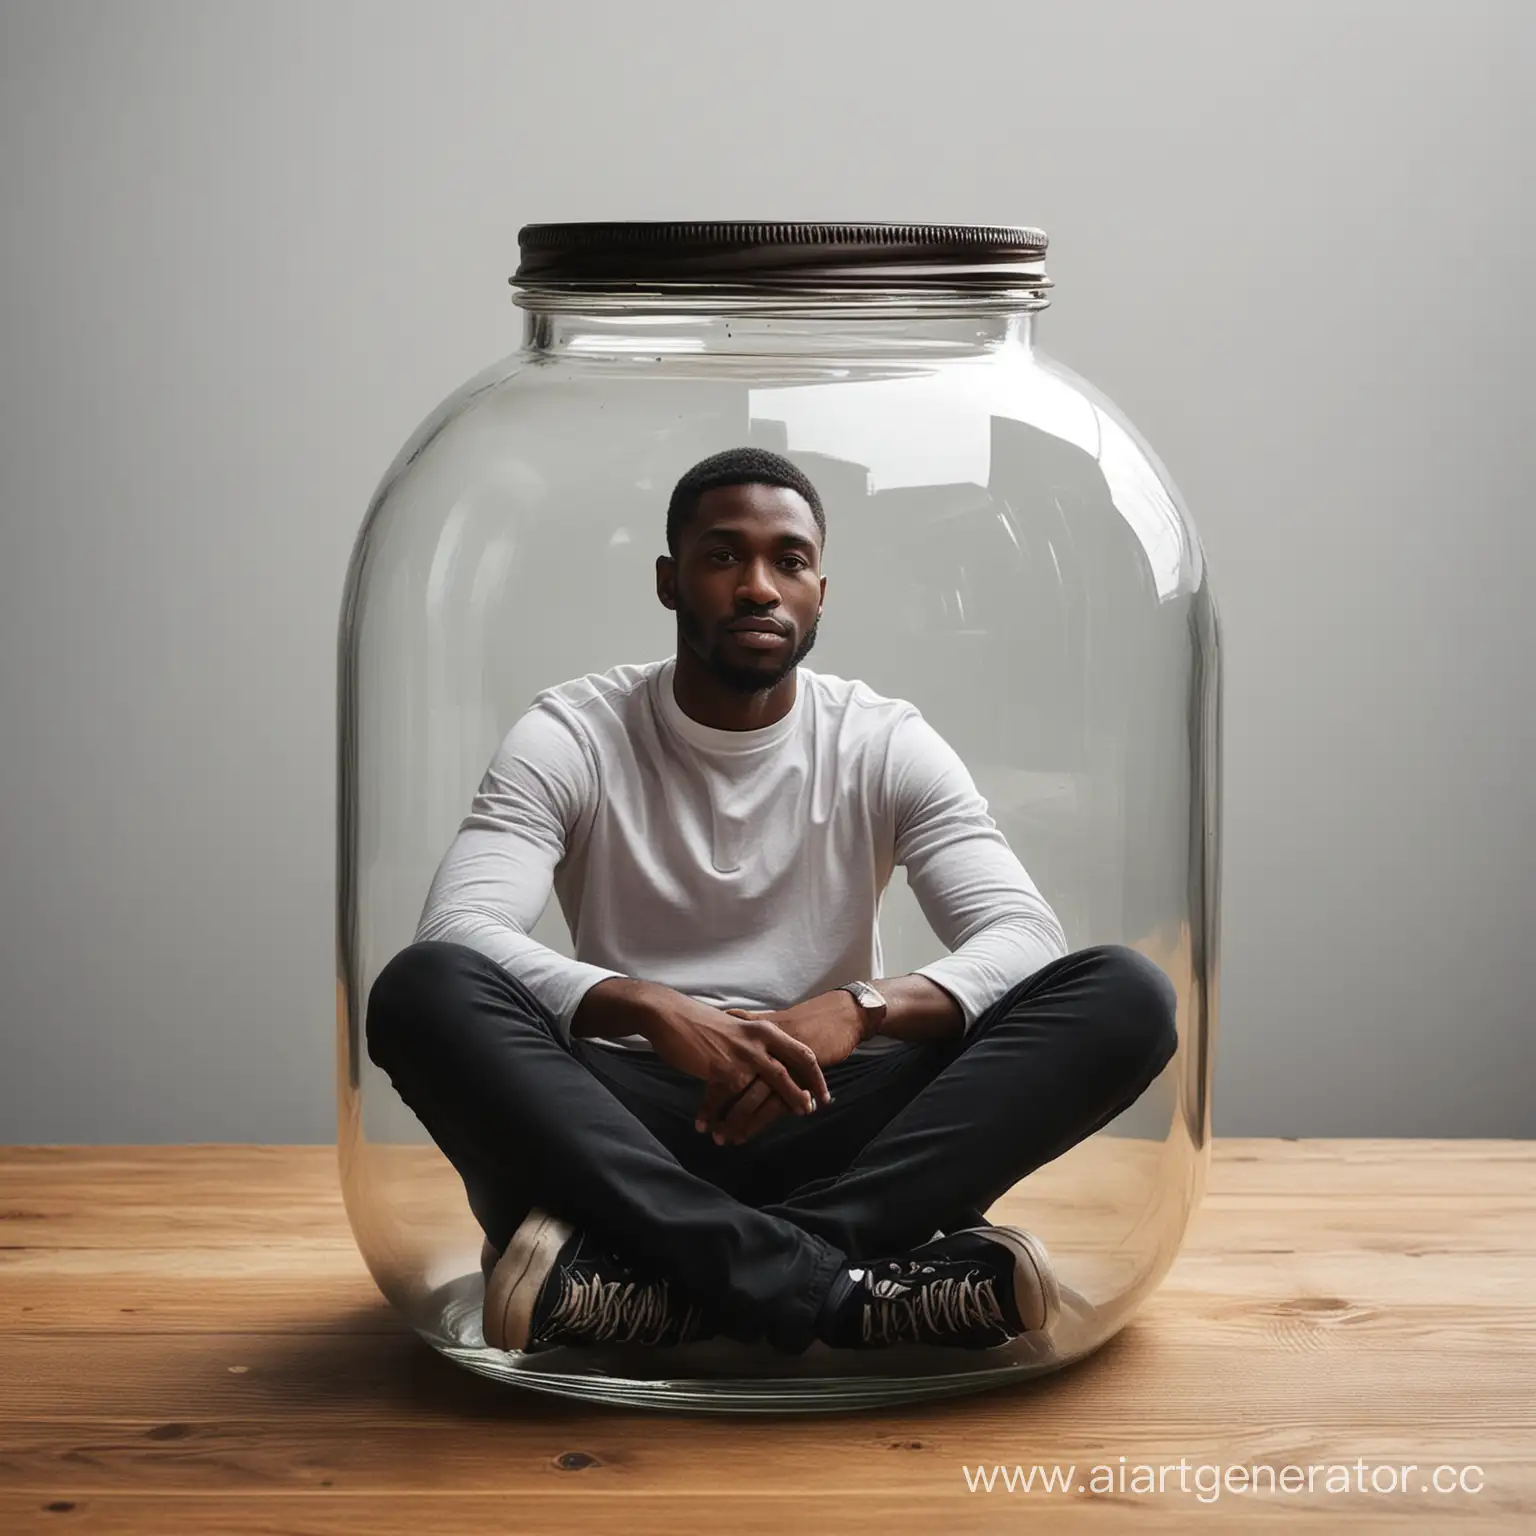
{"x":739,"y":679}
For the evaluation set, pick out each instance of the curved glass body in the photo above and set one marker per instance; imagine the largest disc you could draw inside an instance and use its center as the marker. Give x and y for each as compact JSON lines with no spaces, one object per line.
{"x":1002,"y":550}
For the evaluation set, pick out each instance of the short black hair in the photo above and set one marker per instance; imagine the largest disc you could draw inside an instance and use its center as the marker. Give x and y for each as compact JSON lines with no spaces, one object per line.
{"x":737,"y":466}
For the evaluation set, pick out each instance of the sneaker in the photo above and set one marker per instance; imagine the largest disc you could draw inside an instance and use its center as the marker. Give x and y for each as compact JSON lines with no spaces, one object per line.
{"x":554,"y":1285}
{"x":971,"y":1289}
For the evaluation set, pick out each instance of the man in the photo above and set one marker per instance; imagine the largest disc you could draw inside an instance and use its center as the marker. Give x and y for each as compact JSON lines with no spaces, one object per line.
{"x":719,"y":1118}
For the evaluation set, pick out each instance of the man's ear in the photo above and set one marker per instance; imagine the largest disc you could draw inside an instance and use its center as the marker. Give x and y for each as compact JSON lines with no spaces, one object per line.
{"x":666,"y":580}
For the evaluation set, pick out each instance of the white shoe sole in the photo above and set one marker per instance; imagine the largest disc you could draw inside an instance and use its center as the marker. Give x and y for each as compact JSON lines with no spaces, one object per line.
{"x":519,"y":1276}
{"x":1036,"y":1291}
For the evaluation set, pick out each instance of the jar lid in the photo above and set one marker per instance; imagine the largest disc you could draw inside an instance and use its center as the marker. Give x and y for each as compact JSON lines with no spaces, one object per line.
{"x":910,"y":255}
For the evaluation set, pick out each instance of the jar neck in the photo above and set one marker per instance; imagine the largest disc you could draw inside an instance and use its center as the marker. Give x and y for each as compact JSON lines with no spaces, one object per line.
{"x":913,"y":332}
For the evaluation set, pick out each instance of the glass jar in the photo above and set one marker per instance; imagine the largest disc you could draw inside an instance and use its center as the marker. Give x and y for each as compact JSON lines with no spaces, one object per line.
{"x":1001,"y":550}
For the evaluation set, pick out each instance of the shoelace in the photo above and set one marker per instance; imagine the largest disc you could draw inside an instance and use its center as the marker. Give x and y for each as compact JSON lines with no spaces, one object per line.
{"x":632,"y":1311}
{"x":952,"y":1305}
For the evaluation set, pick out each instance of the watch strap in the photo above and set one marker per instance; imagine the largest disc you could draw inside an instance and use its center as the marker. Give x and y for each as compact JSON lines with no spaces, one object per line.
{"x":871,"y":1005}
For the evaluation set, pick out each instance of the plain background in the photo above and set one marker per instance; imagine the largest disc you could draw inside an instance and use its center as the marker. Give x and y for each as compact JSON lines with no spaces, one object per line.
{"x":248,"y":246}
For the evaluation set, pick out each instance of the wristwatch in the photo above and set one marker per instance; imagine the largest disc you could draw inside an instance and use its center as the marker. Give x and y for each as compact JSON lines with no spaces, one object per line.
{"x":871,"y":1004}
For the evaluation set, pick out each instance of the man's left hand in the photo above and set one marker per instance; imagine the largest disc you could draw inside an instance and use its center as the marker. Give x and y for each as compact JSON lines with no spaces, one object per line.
{"x":831,"y":1023}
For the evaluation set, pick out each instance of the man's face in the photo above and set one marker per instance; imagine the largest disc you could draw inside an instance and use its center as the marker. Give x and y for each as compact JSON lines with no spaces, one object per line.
{"x":751,"y":552}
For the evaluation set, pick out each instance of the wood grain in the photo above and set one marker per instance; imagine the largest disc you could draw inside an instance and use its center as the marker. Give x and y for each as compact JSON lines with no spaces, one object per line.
{"x":770,"y":1513}
{"x":191,"y":1343}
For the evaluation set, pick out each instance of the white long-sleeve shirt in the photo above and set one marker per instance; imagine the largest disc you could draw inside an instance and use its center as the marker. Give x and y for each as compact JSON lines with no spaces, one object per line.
{"x":742,"y":868}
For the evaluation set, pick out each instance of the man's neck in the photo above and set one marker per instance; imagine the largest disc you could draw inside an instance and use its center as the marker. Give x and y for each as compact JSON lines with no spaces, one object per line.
{"x":704,"y":698}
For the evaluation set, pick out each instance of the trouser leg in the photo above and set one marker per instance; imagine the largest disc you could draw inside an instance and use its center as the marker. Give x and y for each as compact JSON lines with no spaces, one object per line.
{"x":951,"y":1126}
{"x":530,"y":1119}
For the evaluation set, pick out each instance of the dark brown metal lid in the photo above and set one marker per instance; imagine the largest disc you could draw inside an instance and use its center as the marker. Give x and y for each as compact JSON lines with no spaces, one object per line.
{"x":921,"y":254}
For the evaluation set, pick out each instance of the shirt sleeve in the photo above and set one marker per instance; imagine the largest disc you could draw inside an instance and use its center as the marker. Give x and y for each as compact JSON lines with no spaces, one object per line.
{"x":976,"y":895}
{"x":498,"y":874}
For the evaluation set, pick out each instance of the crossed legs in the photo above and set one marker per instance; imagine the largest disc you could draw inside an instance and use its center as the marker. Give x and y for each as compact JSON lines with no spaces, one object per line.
{"x":919,"y":1137}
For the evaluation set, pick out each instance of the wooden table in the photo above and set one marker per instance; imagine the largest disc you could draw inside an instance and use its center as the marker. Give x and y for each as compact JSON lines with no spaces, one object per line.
{"x":191,"y":1344}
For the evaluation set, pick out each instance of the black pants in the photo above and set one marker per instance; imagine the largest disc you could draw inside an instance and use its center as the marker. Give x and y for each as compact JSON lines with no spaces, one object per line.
{"x":920,"y":1137}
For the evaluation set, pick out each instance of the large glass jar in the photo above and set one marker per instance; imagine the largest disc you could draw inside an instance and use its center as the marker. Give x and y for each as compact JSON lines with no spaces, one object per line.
{"x":1002,"y":550}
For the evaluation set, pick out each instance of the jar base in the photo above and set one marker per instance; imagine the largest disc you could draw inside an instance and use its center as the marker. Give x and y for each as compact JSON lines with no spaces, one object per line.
{"x":722,"y":1376}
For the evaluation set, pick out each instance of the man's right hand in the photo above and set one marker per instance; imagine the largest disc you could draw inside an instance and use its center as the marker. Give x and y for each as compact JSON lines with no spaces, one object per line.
{"x":726,"y":1053}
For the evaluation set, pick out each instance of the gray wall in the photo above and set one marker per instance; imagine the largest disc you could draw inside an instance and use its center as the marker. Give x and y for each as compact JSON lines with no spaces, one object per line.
{"x":247,"y":246}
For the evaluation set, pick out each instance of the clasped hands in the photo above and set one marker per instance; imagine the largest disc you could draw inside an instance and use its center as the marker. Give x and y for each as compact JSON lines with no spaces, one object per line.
{"x":830,"y":1024}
